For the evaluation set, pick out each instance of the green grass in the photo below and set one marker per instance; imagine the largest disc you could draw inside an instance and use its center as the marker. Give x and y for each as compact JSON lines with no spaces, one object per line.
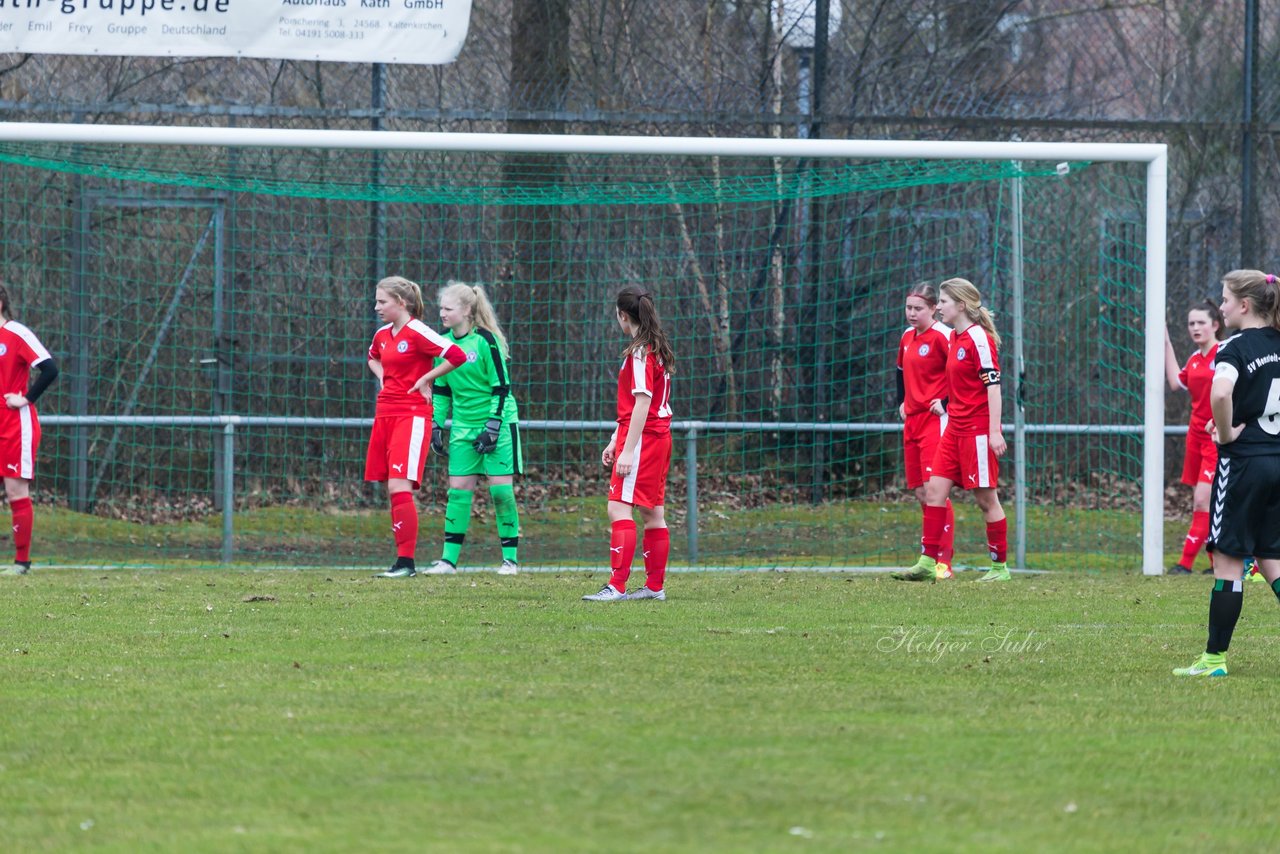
{"x":573,"y":533}
{"x":220,"y":710}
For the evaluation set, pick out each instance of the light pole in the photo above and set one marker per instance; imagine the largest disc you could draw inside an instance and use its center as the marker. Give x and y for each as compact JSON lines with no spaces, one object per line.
{"x":799,"y":21}
{"x":806,"y":27}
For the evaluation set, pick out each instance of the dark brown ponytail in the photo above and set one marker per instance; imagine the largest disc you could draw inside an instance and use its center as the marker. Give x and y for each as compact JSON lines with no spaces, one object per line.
{"x":637,"y":303}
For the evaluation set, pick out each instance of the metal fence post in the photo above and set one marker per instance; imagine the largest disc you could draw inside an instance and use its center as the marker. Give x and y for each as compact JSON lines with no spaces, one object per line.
{"x":691,"y":485}
{"x":1019,"y":369}
{"x":228,"y":487}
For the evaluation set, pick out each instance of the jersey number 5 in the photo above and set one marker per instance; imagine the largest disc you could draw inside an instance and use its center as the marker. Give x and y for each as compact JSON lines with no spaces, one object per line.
{"x":1270,"y":418}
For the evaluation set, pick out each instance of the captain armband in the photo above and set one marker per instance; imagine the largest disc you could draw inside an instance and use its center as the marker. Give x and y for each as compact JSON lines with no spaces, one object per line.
{"x":989,"y":377}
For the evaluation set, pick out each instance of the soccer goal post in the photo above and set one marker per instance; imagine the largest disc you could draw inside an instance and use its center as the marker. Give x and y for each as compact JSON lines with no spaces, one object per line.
{"x":218,"y":288}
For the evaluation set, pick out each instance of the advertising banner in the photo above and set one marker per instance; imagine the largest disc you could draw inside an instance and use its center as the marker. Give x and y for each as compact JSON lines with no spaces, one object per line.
{"x":407,"y":31}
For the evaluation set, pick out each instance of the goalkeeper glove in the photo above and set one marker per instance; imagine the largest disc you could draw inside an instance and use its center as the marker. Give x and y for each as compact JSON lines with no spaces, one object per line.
{"x":488,"y":439}
{"x":438,"y":446}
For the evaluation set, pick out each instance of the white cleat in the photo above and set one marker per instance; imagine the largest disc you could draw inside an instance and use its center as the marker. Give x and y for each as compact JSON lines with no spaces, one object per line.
{"x":646,"y":593}
{"x":606,"y":594}
{"x":509,"y":567}
{"x":440,"y":567}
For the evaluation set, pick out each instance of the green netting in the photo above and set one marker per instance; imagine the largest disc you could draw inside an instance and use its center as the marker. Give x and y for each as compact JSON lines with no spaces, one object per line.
{"x":201,"y":282}
{"x":430,"y":178}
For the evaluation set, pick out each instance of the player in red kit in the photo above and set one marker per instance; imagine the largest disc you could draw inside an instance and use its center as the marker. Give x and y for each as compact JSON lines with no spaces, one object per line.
{"x":20,"y":351}
{"x":973,"y":441}
{"x":1204,"y":323}
{"x":922,"y":392}
{"x":402,"y":357}
{"x":639,"y":452}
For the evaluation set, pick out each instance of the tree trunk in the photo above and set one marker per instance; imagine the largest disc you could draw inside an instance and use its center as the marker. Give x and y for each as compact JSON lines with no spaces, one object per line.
{"x":533,"y":233}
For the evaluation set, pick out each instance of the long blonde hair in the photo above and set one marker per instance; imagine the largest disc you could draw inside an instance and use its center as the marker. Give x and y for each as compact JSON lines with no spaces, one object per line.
{"x":966,"y":295}
{"x":479,"y":310}
{"x":1260,"y":289}
{"x":407,"y":292}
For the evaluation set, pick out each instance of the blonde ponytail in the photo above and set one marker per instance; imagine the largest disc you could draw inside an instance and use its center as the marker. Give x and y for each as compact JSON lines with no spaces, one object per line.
{"x":407,"y":292}
{"x":479,"y":310}
{"x":966,"y":295}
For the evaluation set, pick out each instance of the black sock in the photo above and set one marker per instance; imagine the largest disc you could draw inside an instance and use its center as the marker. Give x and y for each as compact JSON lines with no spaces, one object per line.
{"x":27,"y":564}
{"x":1224,"y":611}
{"x":403,"y":562}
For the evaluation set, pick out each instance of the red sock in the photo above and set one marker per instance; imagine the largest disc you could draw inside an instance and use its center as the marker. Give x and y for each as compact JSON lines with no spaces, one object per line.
{"x":404,"y":523}
{"x":622,"y":549}
{"x":935,"y":519}
{"x":1195,"y":538}
{"x":998,"y":540}
{"x":657,"y":544}
{"x":22,"y":522}
{"x":948,"y":547}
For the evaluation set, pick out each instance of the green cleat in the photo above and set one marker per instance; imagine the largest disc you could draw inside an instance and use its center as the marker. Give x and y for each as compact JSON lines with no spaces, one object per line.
{"x":1208,"y":664}
{"x":924,"y":570}
{"x":997,"y":572}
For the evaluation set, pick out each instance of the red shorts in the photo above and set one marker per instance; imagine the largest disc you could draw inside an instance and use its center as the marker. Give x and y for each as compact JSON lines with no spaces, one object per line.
{"x":1200,"y":459}
{"x":646,"y":485}
{"x":920,"y":436}
{"x":966,"y":460}
{"x":398,"y":447}
{"x":19,"y":439}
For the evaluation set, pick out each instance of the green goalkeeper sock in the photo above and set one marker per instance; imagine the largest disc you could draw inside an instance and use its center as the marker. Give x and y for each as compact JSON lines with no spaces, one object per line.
{"x":457,"y":518}
{"x":508,"y":518}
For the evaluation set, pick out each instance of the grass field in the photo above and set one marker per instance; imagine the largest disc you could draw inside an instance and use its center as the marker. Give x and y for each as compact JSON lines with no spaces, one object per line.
{"x":566,"y":533}
{"x":225,"y":711}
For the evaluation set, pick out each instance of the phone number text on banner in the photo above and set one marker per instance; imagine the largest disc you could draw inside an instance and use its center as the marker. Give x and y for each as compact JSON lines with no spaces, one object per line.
{"x":409,"y":31}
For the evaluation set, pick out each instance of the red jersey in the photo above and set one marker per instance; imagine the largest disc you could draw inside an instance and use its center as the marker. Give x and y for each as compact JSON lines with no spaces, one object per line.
{"x":405,"y":356}
{"x":922,"y":358}
{"x":1196,"y":377}
{"x":20,"y":349}
{"x":642,"y":373}
{"x":972,"y":366}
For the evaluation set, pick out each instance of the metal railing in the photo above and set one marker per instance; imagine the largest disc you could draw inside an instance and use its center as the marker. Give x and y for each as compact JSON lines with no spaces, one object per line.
{"x":692,"y":431}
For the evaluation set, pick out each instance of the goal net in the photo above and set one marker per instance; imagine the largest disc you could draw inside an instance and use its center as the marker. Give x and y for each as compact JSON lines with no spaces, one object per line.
{"x":209,"y":296}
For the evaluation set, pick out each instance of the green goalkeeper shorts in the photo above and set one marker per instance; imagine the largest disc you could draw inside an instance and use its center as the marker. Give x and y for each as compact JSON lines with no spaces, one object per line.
{"x":504,"y":459}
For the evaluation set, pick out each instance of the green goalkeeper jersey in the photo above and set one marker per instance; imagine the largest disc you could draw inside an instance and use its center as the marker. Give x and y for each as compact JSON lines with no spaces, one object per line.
{"x":479,"y":389}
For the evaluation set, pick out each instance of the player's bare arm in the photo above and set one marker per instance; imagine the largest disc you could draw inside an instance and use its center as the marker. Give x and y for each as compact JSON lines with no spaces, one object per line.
{"x":627,"y":459}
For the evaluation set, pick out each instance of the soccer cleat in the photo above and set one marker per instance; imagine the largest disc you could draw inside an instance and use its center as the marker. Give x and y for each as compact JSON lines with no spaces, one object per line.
{"x":943,"y":571}
{"x":398,"y":572}
{"x":16,"y":569}
{"x":646,"y":593}
{"x":924,"y":570}
{"x":508,"y":567}
{"x":440,"y":567}
{"x":1206,"y":665}
{"x":997,"y":572}
{"x":606,"y":594}
{"x":1179,"y":569}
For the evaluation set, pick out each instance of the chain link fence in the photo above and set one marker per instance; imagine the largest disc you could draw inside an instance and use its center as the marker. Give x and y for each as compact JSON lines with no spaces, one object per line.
{"x":1202,"y":75}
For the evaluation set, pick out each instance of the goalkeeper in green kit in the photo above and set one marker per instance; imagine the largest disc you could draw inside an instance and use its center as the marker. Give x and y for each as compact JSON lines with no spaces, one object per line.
{"x":485,"y":434}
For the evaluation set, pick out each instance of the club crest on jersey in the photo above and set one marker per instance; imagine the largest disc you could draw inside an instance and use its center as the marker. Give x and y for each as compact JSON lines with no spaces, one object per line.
{"x":924,"y":350}
{"x":960,"y":353}
{"x":4,"y":348}
{"x":473,"y":357}
{"x":402,"y":347}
